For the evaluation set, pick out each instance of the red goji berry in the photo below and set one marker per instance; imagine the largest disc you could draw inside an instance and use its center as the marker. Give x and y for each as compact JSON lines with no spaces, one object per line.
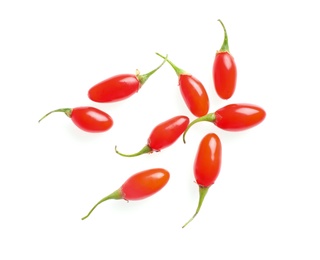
{"x":192,"y":90}
{"x":119,"y":87}
{"x":89,"y":119}
{"x":206,"y":166}
{"x":224,"y":70}
{"x":233,"y":117}
{"x":139,"y":186}
{"x":163,"y":135}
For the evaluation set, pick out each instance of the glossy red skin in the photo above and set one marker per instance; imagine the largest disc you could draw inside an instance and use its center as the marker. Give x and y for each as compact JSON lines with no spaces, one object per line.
{"x":207,"y":162}
{"x":194,"y":95}
{"x":144,"y":184}
{"x":166,"y":133}
{"x":91,"y":119}
{"x":238,"y":117}
{"x":114,"y":89}
{"x":224,"y":74}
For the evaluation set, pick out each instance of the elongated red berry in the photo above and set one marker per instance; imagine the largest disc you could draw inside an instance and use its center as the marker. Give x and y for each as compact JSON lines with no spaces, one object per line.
{"x":89,"y":119}
{"x":192,"y":90}
{"x":207,"y":165}
{"x":233,"y":117}
{"x":119,"y":87}
{"x":139,"y":186}
{"x":224,"y":70}
{"x":163,"y":135}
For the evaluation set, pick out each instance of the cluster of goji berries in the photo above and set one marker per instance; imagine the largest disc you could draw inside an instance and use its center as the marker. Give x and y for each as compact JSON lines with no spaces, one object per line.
{"x":207,"y":163}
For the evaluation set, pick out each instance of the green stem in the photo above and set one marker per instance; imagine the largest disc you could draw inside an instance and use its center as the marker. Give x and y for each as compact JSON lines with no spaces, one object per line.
{"x":202,"y":192}
{"x":144,"y":77}
{"x":67,"y":111}
{"x":178,"y":70}
{"x":225,"y":44}
{"x":208,"y":117}
{"x":116,"y":195}
{"x":145,"y":149}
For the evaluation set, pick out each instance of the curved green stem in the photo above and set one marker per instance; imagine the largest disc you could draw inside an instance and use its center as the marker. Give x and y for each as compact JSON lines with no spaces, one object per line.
{"x":67,"y":111}
{"x":176,"y":69}
{"x":225,"y":44}
{"x":116,"y":195}
{"x":208,"y":117}
{"x":145,"y":149}
{"x":202,"y":193}
{"x":144,"y":77}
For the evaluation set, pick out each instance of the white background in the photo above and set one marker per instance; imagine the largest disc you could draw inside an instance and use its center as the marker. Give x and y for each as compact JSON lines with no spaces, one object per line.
{"x":265,"y":202}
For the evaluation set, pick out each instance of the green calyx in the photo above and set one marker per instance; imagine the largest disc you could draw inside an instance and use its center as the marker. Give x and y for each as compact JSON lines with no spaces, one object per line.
{"x":145,"y":149}
{"x":116,"y":195}
{"x":208,"y":117}
{"x":144,"y":77}
{"x":176,"y":69}
{"x":67,"y":111}
{"x":225,"y":44}
{"x":202,"y":194}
